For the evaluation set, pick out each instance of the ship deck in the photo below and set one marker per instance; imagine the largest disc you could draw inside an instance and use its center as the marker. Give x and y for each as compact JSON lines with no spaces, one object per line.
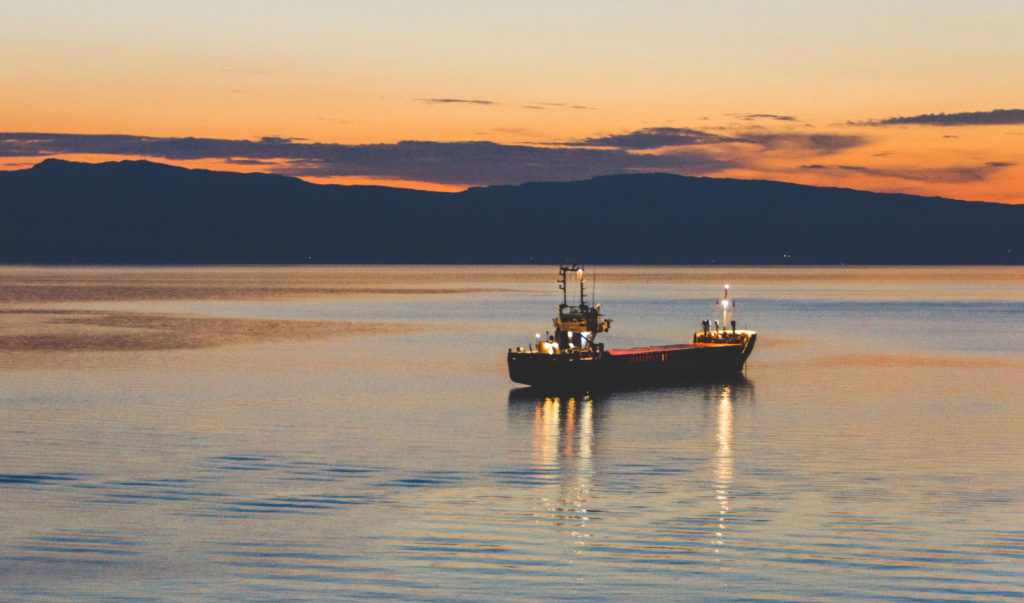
{"x":655,"y":349}
{"x":661,"y":349}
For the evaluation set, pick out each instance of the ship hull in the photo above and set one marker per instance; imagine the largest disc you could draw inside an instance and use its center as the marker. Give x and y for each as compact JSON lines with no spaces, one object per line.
{"x":623,"y":367}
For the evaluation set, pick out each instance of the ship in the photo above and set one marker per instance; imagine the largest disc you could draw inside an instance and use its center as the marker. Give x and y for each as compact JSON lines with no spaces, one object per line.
{"x":571,"y":357}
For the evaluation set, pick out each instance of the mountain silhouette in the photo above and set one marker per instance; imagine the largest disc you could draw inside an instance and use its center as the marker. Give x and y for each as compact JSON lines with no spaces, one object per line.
{"x":140,"y":212}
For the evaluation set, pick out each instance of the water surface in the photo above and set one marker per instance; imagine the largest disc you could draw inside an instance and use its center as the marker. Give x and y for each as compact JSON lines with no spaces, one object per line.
{"x":344,"y":432}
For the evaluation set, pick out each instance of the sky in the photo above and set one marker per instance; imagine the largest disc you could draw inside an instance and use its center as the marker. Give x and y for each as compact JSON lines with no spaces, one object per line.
{"x":920,"y":97}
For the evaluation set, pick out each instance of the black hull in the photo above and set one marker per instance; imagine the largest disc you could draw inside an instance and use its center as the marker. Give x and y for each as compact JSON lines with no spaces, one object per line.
{"x":611,"y":369}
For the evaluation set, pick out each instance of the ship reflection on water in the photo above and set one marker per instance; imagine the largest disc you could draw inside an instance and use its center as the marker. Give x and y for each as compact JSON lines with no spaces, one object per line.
{"x":562,"y":454}
{"x":565,"y":437}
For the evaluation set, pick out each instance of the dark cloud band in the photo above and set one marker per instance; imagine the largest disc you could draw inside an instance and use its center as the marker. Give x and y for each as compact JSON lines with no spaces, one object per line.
{"x":472,"y":162}
{"x":997,"y":117}
{"x":674,"y":150}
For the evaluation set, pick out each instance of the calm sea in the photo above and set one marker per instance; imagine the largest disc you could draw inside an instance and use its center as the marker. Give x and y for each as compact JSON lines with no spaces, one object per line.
{"x":351,"y":432}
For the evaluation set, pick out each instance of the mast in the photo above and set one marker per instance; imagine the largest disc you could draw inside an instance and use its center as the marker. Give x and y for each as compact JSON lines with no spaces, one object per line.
{"x":725,"y":302}
{"x":579,"y":273}
{"x":725,"y":307}
{"x":563,"y":272}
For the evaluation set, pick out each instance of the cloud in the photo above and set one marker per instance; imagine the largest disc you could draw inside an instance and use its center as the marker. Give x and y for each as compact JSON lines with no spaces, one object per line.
{"x":277,"y":139}
{"x":976,"y":118}
{"x":942,"y":175}
{"x":652,"y":138}
{"x":21,"y":145}
{"x":118,"y":144}
{"x":473,"y":101}
{"x":820,"y":143}
{"x":756,"y":116}
{"x":567,"y":106}
{"x":665,"y":149}
{"x":470,"y":162}
{"x":447,"y":101}
{"x":237,"y":161}
{"x":521,"y":132}
{"x":481,"y":162}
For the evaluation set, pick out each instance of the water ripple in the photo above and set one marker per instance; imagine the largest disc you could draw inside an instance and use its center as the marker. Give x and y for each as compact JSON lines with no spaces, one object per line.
{"x":29,"y":479}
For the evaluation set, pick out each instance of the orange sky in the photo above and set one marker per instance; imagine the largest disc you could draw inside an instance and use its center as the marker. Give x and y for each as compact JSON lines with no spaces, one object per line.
{"x":790,"y":90}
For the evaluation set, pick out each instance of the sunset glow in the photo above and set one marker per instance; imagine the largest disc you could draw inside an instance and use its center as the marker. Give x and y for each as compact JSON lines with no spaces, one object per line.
{"x":921,"y":98}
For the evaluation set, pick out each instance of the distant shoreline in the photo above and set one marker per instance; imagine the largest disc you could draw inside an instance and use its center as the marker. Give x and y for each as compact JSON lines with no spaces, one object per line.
{"x":138,"y":213}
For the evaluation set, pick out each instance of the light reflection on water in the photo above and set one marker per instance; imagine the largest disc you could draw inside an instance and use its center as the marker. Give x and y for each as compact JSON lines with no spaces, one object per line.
{"x":252,"y":433}
{"x":723,"y":467}
{"x":563,"y":444}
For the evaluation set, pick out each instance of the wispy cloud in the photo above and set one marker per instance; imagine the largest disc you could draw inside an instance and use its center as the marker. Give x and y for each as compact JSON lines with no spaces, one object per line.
{"x":450,"y":101}
{"x":943,"y":175}
{"x":757,"y":116}
{"x":238,"y":161}
{"x":567,"y":106}
{"x":818,"y":143}
{"x":652,"y":138}
{"x":475,"y":101}
{"x":976,"y":118}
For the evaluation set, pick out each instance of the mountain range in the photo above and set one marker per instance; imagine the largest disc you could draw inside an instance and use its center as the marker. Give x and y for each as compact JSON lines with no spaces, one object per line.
{"x":140,"y":212}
